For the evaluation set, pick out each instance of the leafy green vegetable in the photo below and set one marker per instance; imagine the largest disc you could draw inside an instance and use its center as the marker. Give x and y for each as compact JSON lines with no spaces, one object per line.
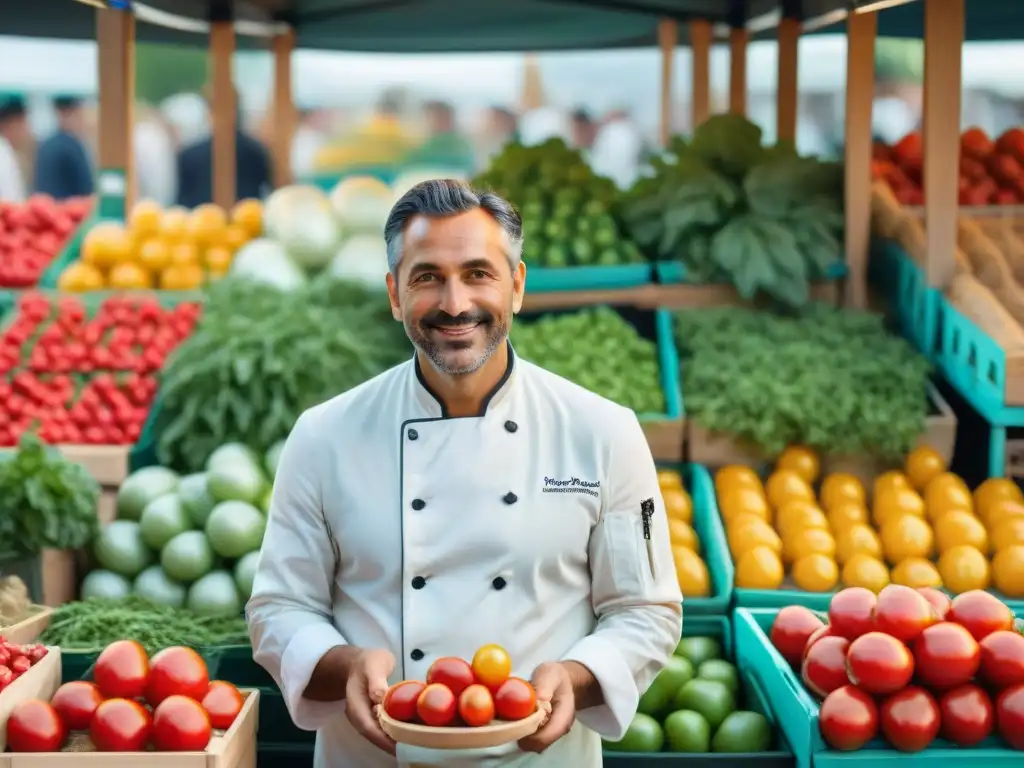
{"x":830,"y":378}
{"x":730,"y":144}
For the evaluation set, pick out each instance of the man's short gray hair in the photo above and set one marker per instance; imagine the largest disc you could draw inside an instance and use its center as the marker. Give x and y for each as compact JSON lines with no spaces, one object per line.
{"x":449,"y":197}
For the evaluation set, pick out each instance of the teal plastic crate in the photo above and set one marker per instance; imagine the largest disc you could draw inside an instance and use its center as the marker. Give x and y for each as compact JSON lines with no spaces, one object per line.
{"x":912,"y":303}
{"x":595,"y":278}
{"x":797,"y":711}
{"x":327,"y":181}
{"x":674,"y":272}
{"x":669,"y":365}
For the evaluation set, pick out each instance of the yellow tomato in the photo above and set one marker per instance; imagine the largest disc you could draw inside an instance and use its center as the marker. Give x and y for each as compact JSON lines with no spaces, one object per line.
{"x":105,"y":245}
{"x":801,"y":460}
{"x":669,"y":478}
{"x":916,"y":572}
{"x":682,"y":535}
{"x":181,"y":277}
{"x":1003,"y":510}
{"x":857,"y":539}
{"x":754,"y":535}
{"x":811,"y":541}
{"x":1008,"y":571}
{"x":839,"y":489}
{"x":184,"y":253}
{"x":995,"y":489}
{"x":1008,"y":533}
{"x":206,"y":225}
{"x":924,"y":464}
{"x":816,"y":573}
{"x":897,"y":502}
{"x":154,"y":255}
{"x":234,"y":238}
{"x":678,"y":504}
{"x":863,"y":570}
{"x":905,"y":537}
{"x":691,"y":572}
{"x":144,"y":220}
{"x":759,"y":568}
{"x":946,"y":492}
{"x":217,"y":260}
{"x":888,"y":481}
{"x":785,"y":485}
{"x":174,"y":224}
{"x":798,"y":515}
{"x":957,"y":528}
{"x":80,"y":277}
{"x":964,"y":568}
{"x":733,"y":476}
{"x":847,"y":514}
{"x":129,"y":276}
{"x":743,"y":500}
{"x":248,"y":214}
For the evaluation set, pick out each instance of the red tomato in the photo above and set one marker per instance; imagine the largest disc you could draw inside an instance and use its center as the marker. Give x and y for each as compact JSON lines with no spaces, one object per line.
{"x":980,"y":613}
{"x":849,"y":613}
{"x":180,"y":724}
{"x":910,"y":719}
{"x":452,"y":672}
{"x":819,"y":634}
{"x":848,"y":718}
{"x":879,"y":663}
{"x":940,"y":600}
{"x":76,"y":703}
{"x":222,"y":703}
{"x":515,"y":699}
{"x":903,"y":613}
{"x":436,"y":705}
{"x":122,"y":670}
{"x":35,"y":726}
{"x":1002,"y":659}
{"x":177,"y":671}
{"x":120,"y":725}
{"x":400,"y":700}
{"x":792,"y":628}
{"x":1010,"y":715}
{"x":824,"y":667}
{"x":476,"y":707}
{"x":967,"y":715}
{"x":945,"y":656}
{"x":491,"y":666}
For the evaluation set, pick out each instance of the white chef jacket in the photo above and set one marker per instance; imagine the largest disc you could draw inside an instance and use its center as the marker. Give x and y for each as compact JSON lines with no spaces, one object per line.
{"x":395,"y":526}
{"x":12,"y":184}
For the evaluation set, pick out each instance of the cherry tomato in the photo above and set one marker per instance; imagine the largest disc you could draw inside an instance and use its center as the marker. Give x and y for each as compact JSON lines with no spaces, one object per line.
{"x":491,"y":666}
{"x":476,"y":706}
{"x":177,"y":671}
{"x":940,"y":600}
{"x":400,"y":700}
{"x":818,"y":634}
{"x":848,"y":718}
{"x":222,"y":703}
{"x":792,"y":628}
{"x":452,"y":672}
{"x":945,"y":656}
{"x":180,"y":724}
{"x":980,"y":613}
{"x":35,"y":726}
{"x":824,"y":667}
{"x":910,"y":719}
{"x":903,"y":613}
{"x":849,"y":613}
{"x":436,"y":705}
{"x":1002,"y":659}
{"x":515,"y":699}
{"x":76,"y":703}
{"x":122,"y":670}
{"x":1010,"y":715}
{"x":967,"y":715}
{"x":120,"y":725}
{"x":879,"y":663}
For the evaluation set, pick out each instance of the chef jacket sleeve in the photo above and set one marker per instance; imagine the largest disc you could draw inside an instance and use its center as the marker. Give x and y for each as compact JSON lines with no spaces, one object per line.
{"x":290,"y":613}
{"x":635,"y":593}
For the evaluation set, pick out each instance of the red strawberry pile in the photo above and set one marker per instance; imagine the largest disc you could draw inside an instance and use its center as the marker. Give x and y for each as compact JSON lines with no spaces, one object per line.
{"x":16,"y":660}
{"x":909,"y":666}
{"x":33,"y":233}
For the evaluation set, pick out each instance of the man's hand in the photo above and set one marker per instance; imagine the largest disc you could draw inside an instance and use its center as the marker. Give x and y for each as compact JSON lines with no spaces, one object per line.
{"x":554,"y":687}
{"x":367,"y":684}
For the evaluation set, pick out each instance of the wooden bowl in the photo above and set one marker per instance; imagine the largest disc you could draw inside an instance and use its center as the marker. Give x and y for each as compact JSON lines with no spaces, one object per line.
{"x":494,"y":735}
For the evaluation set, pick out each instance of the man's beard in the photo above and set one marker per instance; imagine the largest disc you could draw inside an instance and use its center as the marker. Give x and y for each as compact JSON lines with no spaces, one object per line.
{"x":495,"y":333}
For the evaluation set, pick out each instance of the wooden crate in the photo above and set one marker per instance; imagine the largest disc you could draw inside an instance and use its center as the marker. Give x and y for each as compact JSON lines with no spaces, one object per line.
{"x":107,"y":463}
{"x":666,"y":438}
{"x":28,"y":630}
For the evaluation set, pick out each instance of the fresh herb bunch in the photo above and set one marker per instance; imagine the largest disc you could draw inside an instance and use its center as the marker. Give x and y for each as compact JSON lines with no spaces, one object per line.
{"x":259,"y":357}
{"x":46,"y":501}
{"x":830,"y":378}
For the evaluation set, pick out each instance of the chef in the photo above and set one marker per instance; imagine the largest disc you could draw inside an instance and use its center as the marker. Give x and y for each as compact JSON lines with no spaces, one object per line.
{"x":462,"y":498}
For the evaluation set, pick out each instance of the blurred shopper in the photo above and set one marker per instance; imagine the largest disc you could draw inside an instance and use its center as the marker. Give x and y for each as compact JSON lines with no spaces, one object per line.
{"x":154,"y":157}
{"x":311,"y":134}
{"x":382,"y":140}
{"x":542,"y":124}
{"x":584,"y":130}
{"x":186,"y":115}
{"x":498,"y":126}
{"x":14,"y":136}
{"x":253,"y":176}
{"x":445,"y":145}
{"x":618,"y":149}
{"x":63,"y":168}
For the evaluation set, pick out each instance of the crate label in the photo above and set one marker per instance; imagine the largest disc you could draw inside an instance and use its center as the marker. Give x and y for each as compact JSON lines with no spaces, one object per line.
{"x":112,"y":183}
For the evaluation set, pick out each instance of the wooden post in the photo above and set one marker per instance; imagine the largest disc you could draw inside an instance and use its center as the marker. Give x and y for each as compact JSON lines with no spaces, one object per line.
{"x":700,"y":45}
{"x":943,"y":46}
{"x":224,"y":112}
{"x":115,"y":182}
{"x":861,"y":30}
{"x":788,"y":86}
{"x":738,"y":38}
{"x":668,"y":39}
{"x":284,"y":108}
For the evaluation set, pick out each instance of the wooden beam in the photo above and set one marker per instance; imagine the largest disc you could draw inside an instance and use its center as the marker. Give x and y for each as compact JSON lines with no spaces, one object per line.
{"x":700,"y":45}
{"x":738,"y":39}
{"x":668,"y":39}
{"x":284,"y":108}
{"x":224,"y":110}
{"x":115,"y":41}
{"x":788,"y":87}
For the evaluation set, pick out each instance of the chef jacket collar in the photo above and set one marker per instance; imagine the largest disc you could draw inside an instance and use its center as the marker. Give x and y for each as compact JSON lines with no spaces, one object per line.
{"x":433,"y":402}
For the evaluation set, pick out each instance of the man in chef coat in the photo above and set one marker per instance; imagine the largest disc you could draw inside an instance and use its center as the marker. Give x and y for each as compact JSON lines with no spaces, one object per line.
{"x":462,"y":498}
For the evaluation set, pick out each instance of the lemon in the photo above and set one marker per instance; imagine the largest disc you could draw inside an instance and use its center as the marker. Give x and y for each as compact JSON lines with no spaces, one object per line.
{"x":797,"y":515}
{"x":742,"y":500}
{"x":964,"y":568}
{"x":669,"y":478}
{"x":810,"y":541}
{"x":841,"y":488}
{"x":678,"y":504}
{"x":907,"y":536}
{"x":1002,"y":510}
{"x":1008,"y":533}
{"x":736,"y":476}
{"x":801,"y":460}
{"x":747,"y":537}
{"x":863,"y":570}
{"x":691,"y":572}
{"x":995,"y":489}
{"x":916,"y":572}
{"x":681,"y":534}
{"x":957,"y":528}
{"x":896,"y":502}
{"x":888,"y":481}
{"x":786,"y":485}
{"x":946,"y":492}
{"x":816,"y":573}
{"x":923,"y":465}
{"x":844,"y":515}
{"x":857,"y":539}
{"x":1008,"y":571}
{"x":759,"y":568}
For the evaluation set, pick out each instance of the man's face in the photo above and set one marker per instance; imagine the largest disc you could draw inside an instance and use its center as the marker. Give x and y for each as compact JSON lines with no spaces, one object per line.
{"x":16,"y":130}
{"x":455,"y":291}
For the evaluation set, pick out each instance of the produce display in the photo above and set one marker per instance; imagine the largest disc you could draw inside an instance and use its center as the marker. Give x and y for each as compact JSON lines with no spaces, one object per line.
{"x":991,"y":172}
{"x":259,"y":357}
{"x":599,"y":350}
{"x":687,"y":552}
{"x":16,"y":660}
{"x":83,"y":372}
{"x":189,"y":541}
{"x":32,"y":235}
{"x":733,"y":210}
{"x":860,"y":391}
{"x":567,"y":209}
{"x":173,"y":249}
{"x":166,"y":702}
{"x":458,"y":693}
{"x":909,"y":666}
{"x":693,"y":706}
{"x":924,"y":528}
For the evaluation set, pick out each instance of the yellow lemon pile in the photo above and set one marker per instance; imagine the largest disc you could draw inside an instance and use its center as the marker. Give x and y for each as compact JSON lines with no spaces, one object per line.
{"x":691,"y":569}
